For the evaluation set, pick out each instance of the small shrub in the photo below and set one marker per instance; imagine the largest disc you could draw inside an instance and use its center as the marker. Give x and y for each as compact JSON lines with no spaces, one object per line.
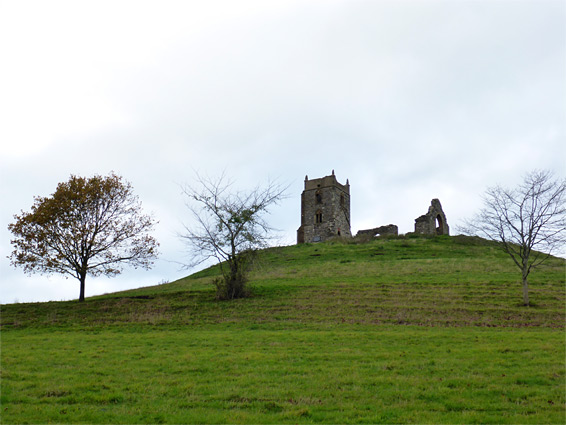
{"x":228,"y":288}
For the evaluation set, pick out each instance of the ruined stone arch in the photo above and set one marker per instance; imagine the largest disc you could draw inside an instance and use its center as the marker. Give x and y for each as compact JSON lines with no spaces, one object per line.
{"x":433,"y":222}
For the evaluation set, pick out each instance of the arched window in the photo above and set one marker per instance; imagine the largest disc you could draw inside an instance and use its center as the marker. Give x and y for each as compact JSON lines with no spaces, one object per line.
{"x":342,"y":200}
{"x":318,"y":217}
{"x":318,"y":197}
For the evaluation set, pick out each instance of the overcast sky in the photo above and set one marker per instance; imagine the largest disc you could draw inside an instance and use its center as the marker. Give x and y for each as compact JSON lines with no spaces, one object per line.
{"x":409,"y":100}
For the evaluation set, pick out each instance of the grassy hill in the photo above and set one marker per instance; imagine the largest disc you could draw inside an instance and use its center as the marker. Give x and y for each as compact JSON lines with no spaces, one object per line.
{"x":421,"y":330}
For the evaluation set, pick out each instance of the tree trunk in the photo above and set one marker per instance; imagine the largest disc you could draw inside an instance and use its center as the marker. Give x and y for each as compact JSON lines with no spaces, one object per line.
{"x":525,"y":290}
{"x":82,"y":293}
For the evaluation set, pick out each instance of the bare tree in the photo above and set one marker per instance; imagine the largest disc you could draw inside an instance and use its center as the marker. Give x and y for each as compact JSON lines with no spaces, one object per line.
{"x":529,"y":221}
{"x":230,"y":227}
{"x":88,"y":226}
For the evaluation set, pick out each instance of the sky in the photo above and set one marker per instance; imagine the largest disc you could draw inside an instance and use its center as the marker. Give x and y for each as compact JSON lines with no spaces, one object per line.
{"x":408,"y":100}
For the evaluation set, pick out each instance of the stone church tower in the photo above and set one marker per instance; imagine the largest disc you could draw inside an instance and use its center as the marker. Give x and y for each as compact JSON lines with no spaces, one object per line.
{"x":325,"y":210}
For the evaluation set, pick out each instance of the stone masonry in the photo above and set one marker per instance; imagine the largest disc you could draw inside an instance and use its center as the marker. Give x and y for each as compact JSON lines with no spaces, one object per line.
{"x":325,"y":213}
{"x":389,"y":230}
{"x":325,"y":210}
{"x":434,"y":222}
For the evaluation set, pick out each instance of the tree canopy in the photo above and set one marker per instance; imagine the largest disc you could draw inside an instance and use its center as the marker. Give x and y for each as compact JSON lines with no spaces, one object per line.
{"x":88,"y":226}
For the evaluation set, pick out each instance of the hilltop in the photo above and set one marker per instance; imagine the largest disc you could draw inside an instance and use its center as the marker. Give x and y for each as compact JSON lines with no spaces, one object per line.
{"x":407,"y":329}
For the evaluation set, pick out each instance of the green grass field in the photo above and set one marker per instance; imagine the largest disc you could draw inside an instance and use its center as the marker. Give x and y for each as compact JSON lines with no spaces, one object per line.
{"x":407,"y":330}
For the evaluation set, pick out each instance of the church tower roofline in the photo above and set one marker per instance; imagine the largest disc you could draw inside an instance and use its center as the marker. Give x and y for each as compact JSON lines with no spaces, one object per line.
{"x":327,"y":181}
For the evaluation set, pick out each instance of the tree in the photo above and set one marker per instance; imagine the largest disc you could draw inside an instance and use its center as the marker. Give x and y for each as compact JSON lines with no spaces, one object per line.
{"x":86,"y":227}
{"x":529,"y":221}
{"x":230,"y":227}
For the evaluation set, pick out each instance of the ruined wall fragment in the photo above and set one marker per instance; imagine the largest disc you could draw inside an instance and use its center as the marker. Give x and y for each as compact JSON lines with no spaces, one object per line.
{"x":388,"y":230}
{"x":433,"y":222}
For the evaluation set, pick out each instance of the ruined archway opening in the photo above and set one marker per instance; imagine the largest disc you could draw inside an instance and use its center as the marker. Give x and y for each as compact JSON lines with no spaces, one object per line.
{"x":439,"y":225}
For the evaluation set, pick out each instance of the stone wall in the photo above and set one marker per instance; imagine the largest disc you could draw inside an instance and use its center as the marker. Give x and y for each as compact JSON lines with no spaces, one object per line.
{"x":433,"y":222}
{"x":389,"y":230}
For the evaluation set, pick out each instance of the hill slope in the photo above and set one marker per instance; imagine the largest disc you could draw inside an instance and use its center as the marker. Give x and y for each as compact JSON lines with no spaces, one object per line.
{"x":396,"y":330}
{"x":443,"y":281}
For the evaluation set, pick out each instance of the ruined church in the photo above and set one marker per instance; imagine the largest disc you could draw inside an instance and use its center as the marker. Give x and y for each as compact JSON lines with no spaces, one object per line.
{"x":325,"y":213}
